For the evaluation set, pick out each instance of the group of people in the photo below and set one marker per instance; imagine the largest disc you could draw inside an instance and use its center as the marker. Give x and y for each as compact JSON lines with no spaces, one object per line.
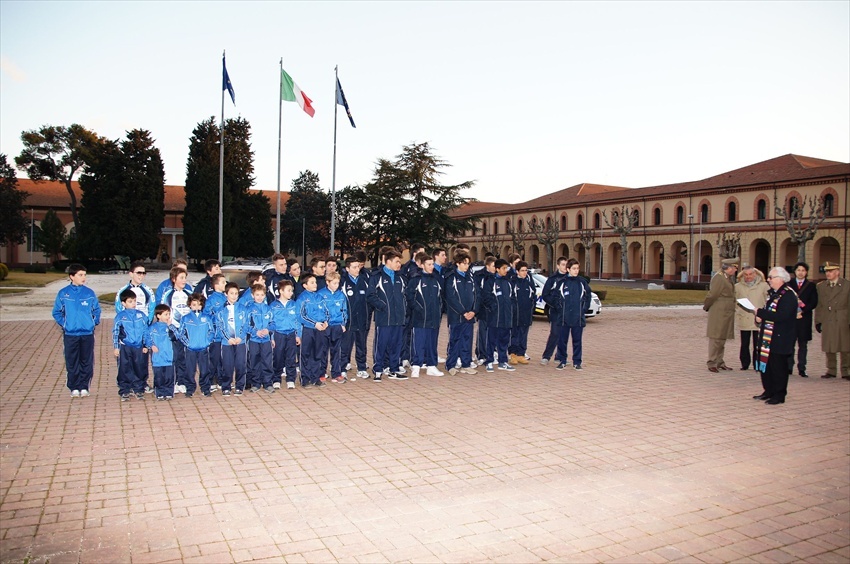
{"x":775,"y":319}
{"x":287,"y":325}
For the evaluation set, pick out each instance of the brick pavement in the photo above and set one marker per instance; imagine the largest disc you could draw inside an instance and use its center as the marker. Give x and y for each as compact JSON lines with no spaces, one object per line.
{"x":642,"y":457}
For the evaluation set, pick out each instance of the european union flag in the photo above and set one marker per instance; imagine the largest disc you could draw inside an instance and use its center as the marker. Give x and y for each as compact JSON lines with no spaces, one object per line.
{"x":340,"y":99}
{"x":225,"y":81}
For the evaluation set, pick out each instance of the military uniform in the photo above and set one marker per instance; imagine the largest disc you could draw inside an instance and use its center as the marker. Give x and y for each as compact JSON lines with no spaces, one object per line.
{"x":832,"y":318}
{"x":720,"y":305}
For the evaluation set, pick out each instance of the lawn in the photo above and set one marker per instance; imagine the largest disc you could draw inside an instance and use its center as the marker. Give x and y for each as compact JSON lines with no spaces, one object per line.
{"x":12,"y":290}
{"x":641,"y":296}
{"x":107,"y":298}
{"x":21,"y":279}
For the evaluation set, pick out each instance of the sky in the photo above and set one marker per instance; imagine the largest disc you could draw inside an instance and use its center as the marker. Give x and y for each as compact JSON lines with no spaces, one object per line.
{"x":524,"y":98}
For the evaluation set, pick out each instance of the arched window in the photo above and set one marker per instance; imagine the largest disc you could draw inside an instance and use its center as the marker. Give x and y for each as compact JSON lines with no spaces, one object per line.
{"x":761,"y":209}
{"x":657,"y":219}
{"x":703,"y":213}
{"x":563,"y":223}
{"x":519,"y":225}
{"x":580,"y":222}
{"x":793,"y":204}
{"x":484,"y":228}
{"x":548,"y":223}
{"x":828,"y":205}
{"x":496,"y":227}
{"x":637,"y":217}
{"x":596,"y":221}
{"x":733,"y":212}
{"x":680,"y":215}
{"x":533,"y":223}
{"x":507,"y":226}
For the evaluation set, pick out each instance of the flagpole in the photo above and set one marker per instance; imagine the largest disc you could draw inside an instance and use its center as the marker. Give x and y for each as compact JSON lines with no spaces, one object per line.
{"x":279,"y":129}
{"x":221,"y":176}
{"x":333,"y":178}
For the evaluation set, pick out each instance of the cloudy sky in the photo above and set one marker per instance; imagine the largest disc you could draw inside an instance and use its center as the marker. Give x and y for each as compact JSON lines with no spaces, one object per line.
{"x":525,"y":98}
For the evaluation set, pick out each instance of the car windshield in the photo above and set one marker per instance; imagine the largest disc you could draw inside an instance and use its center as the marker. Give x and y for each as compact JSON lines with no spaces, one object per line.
{"x":539,"y":279}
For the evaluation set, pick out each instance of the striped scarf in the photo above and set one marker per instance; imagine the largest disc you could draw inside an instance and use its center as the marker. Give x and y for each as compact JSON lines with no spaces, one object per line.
{"x":766,"y":333}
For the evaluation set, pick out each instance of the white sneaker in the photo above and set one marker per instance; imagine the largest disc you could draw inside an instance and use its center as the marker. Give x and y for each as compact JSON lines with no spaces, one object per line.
{"x":544,"y":361}
{"x":214,"y":387}
{"x":348,"y":367}
{"x":441,"y":360}
{"x":433,"y":371}
{"x":458,"y":364}
{"x":527,"y":357}
{"x":385,"y":371}
{"x":401,"y":371}
{"x":84,"y":393}
{"x":363,"y":374}
{"x":182,"y":388}
{"x":405,"y":364}
{"x":414,"y":371}
{"x":276,"y":385}
{"x":290,"y":385}
{"x":75,"y":393}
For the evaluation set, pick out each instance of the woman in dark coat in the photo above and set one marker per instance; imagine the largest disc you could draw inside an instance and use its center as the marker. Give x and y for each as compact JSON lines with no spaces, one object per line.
{"x":777,"y":322}
{"x":807,"y":297}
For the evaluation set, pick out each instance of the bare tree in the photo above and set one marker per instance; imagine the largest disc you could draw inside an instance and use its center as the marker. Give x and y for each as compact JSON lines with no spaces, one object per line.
{"x":802,"y":230}
{"x":547,"y":236}
{"x":729,"y":245}
{"x":518,"y":238}
{"x":586,"y":236}
{"x":622,"y":223}
{"x":490,"y":243}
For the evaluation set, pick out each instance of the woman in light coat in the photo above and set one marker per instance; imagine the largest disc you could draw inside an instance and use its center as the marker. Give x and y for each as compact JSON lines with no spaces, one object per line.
{"x":751,"y":285}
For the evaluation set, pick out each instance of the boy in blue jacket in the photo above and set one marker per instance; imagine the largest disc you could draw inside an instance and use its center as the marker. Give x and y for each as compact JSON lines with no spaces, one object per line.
{"x":231,"y":324}
{"x":77,"y":312}
{"x":425,"y":300}
{"x":461,"y":306}
{"x":354,"y":285}
{"x":499,"y":299}
{"x":313,"y":316}
{"x":526,"y":297}
{"x":176,"y":296}
{"x":129,"y":339}
{"x":160,"y":339}
{"x":286,"y":334}
{"x":215,"y":301}
{"x":483,"y":341}
{"x":259,"y":340}
{"x":337,"y":306}
{"x":386,"y":297}
{"x":569,"y":299}
{"x":196,"y":333}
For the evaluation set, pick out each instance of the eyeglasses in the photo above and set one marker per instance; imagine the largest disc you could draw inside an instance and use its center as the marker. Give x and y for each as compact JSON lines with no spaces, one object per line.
{"x":772,"y":277}
{"x":140,"y":272}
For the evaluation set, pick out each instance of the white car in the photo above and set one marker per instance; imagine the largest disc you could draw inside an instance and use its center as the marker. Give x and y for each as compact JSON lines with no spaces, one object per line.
{"x":543,"y":309}
{"x":236,"y":271}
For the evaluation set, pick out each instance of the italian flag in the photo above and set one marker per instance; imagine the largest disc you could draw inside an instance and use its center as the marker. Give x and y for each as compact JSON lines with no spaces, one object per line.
{"x":290,"y":92}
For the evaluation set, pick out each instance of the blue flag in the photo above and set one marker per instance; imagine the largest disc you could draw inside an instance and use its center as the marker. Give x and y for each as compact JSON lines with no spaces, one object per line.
{"x":225,"y":81}
{"x":340,"y":99}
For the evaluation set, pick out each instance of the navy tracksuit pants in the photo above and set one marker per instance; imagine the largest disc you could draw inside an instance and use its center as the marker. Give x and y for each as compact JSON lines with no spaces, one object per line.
{"x":79,"y":360}
{"x":353,"y":339}
{"x":460,"y":345}
{"x":565,"y":332}
{"x":163,"y":381}
{"x":519,"y":340}
{"x":483,"y":340}
{"x":314,"y":348}
{"x":216,"y":369}
{"x":132,"y":370}
{"x":284,"y":356}
{"x":335,"y":334}
{"x":387,"y":348}
{"x":552,"y":340}
{"x":234,"y":358}
{"x":201,"y":361}
{"x":498,"y":338}
{"x":424,"y":351}
{"x":260,"y":360}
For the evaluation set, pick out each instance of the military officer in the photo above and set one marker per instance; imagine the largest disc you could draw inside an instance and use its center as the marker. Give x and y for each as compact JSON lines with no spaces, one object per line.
{"x":720,"y":305}
{"x":832,"y":319}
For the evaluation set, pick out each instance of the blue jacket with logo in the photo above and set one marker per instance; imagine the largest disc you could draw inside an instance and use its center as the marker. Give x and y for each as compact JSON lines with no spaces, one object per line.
{"x":568,"y":301}
{"x":461,"y":296}
{"x":526,"y":297}
{"x":259,"y":318}
{"x":337,"y":306}
{"x":215,"y":301}
{"x":145,"y":299}
{"x":311,"y":309}
{"x":163,"y":287}
{"x":197,"y":331}
{"x":425,"y":299}
{"x":499,"y":298}
{"x":358,"y":308}
{"x":76,"y":310}
{"x":386,"y":296}
{"x":130,"y":328}
{"x":223,"y":330}
{"x":285,"y":317}
{"x":481,"y":277}
{"x":161,"y":336}
{"x":178,"y":301}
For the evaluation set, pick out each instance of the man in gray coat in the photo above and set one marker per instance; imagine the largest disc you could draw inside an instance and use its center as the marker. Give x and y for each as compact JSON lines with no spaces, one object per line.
{"x":720,"y":305}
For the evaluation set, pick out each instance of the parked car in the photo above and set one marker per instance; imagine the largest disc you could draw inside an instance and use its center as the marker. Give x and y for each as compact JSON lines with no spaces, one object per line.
{"x":237,"y":270}
{"x":542,"y":308}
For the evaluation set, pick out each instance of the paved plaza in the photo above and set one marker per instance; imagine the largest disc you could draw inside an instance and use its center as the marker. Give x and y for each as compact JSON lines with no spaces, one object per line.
{"x":644,"y":456}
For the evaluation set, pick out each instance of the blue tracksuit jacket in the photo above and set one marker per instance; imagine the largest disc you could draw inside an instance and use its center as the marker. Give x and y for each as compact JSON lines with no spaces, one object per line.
{"x":337,"y":306}
{"x":547,"y":289}
{"x":526,"y":296}
{"x":568,"y":301}
{"x":223,"y":330}
{"x":160,"y":335}
{"x":285,"y":317}
{"x":311,"y":309}
{"x":358,"y":308}
{"x":259,"y":318}
{"x":178,"y":301}
{"x":130,"y":328}
{"x":499,"y":298}
{"x":481,"y":277}
{"x":197,"y":331}
{"x":163,"y":287}
{"x":145,"y":297}
{"x":76,"y":310}
{"x":461,"y":296}
{"x":425,"y":299}
{"x":386,"y":296}
{"x":215,"y":301}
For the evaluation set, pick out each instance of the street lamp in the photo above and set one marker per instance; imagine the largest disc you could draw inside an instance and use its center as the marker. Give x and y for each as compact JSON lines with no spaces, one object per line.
{"x":691,"y":246}
{"x":699,"y":252}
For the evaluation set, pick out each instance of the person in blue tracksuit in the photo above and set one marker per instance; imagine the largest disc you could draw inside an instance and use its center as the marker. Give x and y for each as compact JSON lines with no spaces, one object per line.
{"x":313,"y":316}
{"x":554,"y":327}
{"x":481,"y":277}
{"x":168,"y":282}
{"x":215,"y":301}
{"x":461,"y":306}
{"x":231,"y":325}
{"x":196,"y":333}
{"x":145,"y":296}
{"x":129,"y":336}
{"x":354,"y":285}
{"x":160,"y":339}
{"x":526,"y":297}
{"x":77,"y":311}
{"x":569,"y":299}
{"x":499,"y":298}
{"x":337,"y":306}
{"x":260,"y":355}
{"x":386,"y":298}
{"x":246,"y":298}
{"x":410,"y":270}
{"x":205,"y":285}
{"x":286,"y":334}
{"x":176,"y":297}
{"x":273,"y":277}
{"x":424,"y":296}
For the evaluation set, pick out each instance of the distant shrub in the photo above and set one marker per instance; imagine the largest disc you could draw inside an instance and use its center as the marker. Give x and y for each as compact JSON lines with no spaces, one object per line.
{"x":4,"y":271}
{"x":36,"y":268}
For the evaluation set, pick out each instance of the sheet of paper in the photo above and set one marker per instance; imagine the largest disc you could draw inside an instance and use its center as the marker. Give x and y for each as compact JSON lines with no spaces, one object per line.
{"x":746,"y":304}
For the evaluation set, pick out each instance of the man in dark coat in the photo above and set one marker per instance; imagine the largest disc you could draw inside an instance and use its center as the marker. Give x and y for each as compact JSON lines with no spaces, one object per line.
{"x":807,"y":301}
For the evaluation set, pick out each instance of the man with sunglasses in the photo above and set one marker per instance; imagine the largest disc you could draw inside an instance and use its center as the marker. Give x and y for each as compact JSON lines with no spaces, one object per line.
{"x":145,"y":301}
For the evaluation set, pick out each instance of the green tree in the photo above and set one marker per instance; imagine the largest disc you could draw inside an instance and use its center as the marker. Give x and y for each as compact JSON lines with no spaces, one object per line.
{"x":123,"y":193}
{"x":255,"y":227}
{"x":58,"y":154}
{"x":309,"y":207}
{"x":53,"y":235}
{"x":14,"y":225}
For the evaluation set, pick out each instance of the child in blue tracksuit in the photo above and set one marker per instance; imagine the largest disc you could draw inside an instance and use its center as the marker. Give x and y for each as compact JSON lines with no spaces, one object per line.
{"x":286,"y":334}
{"x":461,"y":306}
{"x":337,"y":306}
{"x":129,"y":339}
{"x":425,"y":301}
{"x":354,"y":285}
{"x":313,"y":316}
{"x":526,"y":297}
{"x":483,"y":341}
{"x":499,"y":299}
{"x":231,"y":325}
{"x":196,"y":334}
{"x":386,"y":297}
{"x":259,"y":341}
{"x":215,"y":301}
{"x":569,"y":299}
{"x":77,"y":312}
{"x":160,"y":338}
{"x":176,"y":297}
